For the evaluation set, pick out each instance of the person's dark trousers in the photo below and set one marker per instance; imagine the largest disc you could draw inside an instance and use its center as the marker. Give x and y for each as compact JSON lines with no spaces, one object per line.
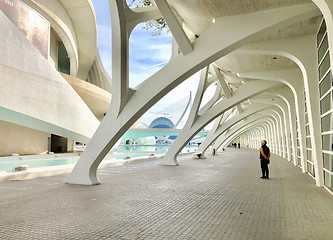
{"x":264,"y":168}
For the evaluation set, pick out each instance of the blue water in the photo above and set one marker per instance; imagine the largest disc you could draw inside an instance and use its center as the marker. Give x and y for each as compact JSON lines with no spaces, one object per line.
{"x":158,"y":148}
{"x":8,"y":165}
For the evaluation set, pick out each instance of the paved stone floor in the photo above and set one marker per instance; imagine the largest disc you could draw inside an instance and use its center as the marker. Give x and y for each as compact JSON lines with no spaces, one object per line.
{"x":221,"y":197}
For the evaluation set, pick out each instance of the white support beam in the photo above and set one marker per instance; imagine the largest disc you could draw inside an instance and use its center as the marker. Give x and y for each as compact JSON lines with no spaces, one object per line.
{"x":198,"y":97}
{"x":211,"y":46}
{"x":212,"y":101}
{"x":120,"y":58}
{"x":176,"y":29}
{"x":226,"y":90}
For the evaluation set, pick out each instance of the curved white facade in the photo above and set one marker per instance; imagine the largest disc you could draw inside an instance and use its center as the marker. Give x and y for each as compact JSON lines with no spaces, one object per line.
{"x":34,"y":96}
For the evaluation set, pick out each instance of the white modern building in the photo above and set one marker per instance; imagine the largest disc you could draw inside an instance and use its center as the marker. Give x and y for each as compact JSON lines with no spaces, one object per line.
{"x":269,"y":59}
{"x":53,"y":88}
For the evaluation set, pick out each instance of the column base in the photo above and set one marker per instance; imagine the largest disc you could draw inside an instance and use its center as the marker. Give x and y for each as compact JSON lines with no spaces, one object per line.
{"x":199,"y":155}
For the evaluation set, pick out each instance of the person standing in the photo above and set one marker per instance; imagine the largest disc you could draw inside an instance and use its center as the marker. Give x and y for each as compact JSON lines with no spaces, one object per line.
{"x":264,"y":159}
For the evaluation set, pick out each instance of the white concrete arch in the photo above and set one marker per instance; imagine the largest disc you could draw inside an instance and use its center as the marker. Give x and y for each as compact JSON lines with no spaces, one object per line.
{"x":222,"y":127}
{"x":211,"y":45}
{"x":258,"y":117}
{"x":271,"y":136}
{"x":264,"y":137}
{"x":284,"y":106}
{"x":251,"y":139}
{"x":274,"y":130}
{"x":281,"y":113}
{"x":213,"y":135}
{"x":244,"y":129}
{"x":196,"y":123}
{"x":294,"y":79}
{"x":253,"y":128}
{"x":225,"y":140}
{"x":303,"y":51}
{"x":286,"y":95}
{"x":277,"y":128}
{"x":248,"y":124}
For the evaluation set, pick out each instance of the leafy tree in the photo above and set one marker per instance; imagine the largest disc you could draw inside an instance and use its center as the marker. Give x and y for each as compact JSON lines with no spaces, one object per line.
{"x":155,"y":26}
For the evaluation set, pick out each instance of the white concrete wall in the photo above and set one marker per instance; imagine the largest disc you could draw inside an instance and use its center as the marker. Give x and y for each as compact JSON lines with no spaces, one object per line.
{"x":30,"y":86}
{"x":62,"y":23}
{"x":21,"y":140}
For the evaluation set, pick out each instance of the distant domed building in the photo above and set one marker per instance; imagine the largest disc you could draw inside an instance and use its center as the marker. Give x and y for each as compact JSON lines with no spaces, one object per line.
{"x":171,"y":117}
{"x":162,"y":122}
{"x":175,"y":111}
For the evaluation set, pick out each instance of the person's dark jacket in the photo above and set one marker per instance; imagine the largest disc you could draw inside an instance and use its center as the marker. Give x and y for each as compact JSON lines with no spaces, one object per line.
{"x":266,"y":151}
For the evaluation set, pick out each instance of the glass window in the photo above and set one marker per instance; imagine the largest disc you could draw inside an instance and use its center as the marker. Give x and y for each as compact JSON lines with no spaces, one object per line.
{"x":309,"y":155}
{"x":327,"y":158}
{"x":326,"y":123}
{"x":328,"y":180}
{"x":324,"y":66}
{"x":298,"y":152}
{"x":311,"y":169}
{"x":308,"y":142}
{"x":63,"y":59}
{"x":307,"y":128}
{"x":322,"y":49}
{"x":325,"y":85}
{"x":326,"y":142}
{"x":321,"y":32}
{"x":325,"y":103}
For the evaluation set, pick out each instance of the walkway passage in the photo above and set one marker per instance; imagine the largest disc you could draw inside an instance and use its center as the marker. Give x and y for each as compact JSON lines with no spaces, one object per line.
{"x":220,"y":197}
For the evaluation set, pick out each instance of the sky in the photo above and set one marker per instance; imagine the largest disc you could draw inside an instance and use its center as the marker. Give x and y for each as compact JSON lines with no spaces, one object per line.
{"x":147,"y":55}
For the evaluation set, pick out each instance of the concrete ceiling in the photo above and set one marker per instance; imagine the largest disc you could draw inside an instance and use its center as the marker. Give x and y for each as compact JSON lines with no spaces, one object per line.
{"x":198,"y":14}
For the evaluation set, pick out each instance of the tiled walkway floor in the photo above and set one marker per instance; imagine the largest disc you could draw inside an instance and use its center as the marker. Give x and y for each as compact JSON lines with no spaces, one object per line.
{"x":221,"y":197}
